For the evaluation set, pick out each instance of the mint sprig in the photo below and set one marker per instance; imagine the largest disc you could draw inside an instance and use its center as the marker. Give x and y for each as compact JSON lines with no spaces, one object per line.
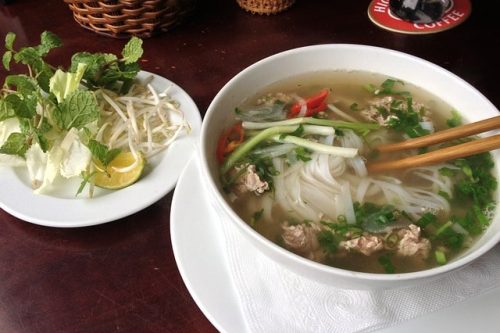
{"x":41,"y":107}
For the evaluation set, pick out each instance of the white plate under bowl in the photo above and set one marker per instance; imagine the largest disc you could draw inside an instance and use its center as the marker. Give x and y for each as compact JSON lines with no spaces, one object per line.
{"x":60,"y":207}
{"x":197,"y":240}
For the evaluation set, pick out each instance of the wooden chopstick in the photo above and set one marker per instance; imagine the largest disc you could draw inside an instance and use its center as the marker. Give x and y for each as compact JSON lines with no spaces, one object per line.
{"x":442,"y":136}
{"x":438,"y":156}
{"x":444,"y":154}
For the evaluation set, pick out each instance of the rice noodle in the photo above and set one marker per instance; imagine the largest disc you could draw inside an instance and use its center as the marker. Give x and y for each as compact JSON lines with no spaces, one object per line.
{"x":321,"y":188}
{"x":341,"y":113}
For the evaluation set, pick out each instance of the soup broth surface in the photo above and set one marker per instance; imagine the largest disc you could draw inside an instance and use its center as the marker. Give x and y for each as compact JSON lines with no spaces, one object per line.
{"x":327,"y":209}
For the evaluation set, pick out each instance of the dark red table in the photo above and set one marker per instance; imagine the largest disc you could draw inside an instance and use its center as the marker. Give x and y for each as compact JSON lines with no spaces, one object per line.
{"x":122,"y":276}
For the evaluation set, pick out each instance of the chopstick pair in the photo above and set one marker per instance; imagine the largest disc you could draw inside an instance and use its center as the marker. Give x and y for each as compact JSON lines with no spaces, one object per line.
{"x":441,"y":155}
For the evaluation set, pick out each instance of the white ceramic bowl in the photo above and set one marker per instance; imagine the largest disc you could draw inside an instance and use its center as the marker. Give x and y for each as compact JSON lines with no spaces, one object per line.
{"x":459,"y":94}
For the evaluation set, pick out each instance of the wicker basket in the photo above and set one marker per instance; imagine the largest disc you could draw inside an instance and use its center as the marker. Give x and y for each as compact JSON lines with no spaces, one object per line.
{"x":126,"y":18}
{"x":265,"y":6}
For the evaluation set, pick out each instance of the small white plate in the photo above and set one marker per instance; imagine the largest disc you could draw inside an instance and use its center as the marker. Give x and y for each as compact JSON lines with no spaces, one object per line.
{"x":60,"y":208}
{"x":197,"y":236}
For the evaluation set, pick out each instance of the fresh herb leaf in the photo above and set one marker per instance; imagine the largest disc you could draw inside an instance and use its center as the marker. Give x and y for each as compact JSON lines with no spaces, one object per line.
{"x":48,"y":41}
{"x":6,"y":59}
{"x":374,"y":217}
{"x":328,"y":241}
{"x":386,"y":262}
{"x":445,"y":195}
{"x":478,"y":183}
{"x":132,"y":50}
{"x":23,"y":108}
{"x":387,"y":88}
{"x":354,"y":107}
{"x":24,"y":84}
{"x":256,"y":217}
{"x":107,"y":71}
{"x":302,"y":154}
{"x":16,"y":144}
{"x":77,"y":110}
{"x":426,"y":219}
{"x":455,"y":120}
{"x":448,"y":172}
{"x":102,"y":153}
{"x":9,"y":41}
{"x":6,"y":110}
{"x":407,"y":121}
{"x":28,"y":56}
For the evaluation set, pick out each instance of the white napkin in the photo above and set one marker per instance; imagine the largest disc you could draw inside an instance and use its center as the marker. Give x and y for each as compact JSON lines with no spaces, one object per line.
{"x":274,"y":299}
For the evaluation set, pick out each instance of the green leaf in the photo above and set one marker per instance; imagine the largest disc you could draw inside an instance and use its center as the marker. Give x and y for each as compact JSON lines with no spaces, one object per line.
{"x":9,"y":41}
{"x":102,"y":152}
{"x":28,"y":56}
{"x":23,"y":83}
{"x":455,"y":120}
{"x":386,"y":263}
{"x":15,"y":145}
{"x":7,"y":57}
{"x":44,"y":73}
{"x":256,"y":217}
{"x":77,"y":110}
{"x":42,"y":141}
{"x":6,"y":110}
{"x":387,"y":88}
{"x":23,"y":108}
{"x":132,"y":50}
{"x":328,"y":241}
{"x":25,"y":125}
{"x":97,"y":65}
{"x":48,"y":41}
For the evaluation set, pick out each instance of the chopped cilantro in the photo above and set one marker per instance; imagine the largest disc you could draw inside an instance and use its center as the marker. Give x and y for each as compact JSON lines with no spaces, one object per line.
{"x":455,"y":120}
{"x":256,"y":217}
{"x":440,"y":257}
{"x":386,"y":262}
{"x":387,"y":88}
{"x":407,"y":121}
{"x":374,"y":217}
{"x":328,"y":241}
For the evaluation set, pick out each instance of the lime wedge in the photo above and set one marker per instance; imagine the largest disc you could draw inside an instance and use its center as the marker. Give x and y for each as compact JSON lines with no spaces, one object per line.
{"x":119,"y":172}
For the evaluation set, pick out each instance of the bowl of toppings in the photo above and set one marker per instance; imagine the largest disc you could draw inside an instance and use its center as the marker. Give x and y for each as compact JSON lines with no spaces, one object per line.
{"x":102,"y":138}
{"x":326,"y":159}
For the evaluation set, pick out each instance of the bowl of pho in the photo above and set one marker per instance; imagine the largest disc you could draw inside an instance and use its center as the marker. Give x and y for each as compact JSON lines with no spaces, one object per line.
{"x":286,"y":149}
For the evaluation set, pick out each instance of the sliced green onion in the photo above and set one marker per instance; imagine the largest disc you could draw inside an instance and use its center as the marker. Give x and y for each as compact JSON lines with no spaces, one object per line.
{"x":364,"y":127}
{"x":245,"y":147}
{"x":317,"y":147}
{"x":440,"y":257}
{"x":443,"y":228}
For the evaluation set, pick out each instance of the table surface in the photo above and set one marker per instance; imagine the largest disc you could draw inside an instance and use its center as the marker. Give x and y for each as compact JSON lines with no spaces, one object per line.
{"x":122,"y":276}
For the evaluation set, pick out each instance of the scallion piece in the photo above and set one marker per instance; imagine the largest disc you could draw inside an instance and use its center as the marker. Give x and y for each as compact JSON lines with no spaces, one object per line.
{"x":440,"y":257}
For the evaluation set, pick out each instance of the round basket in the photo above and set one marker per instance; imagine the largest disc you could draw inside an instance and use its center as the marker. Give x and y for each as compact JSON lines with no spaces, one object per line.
{"x":265,"y":6}
{"x":126,"y":18}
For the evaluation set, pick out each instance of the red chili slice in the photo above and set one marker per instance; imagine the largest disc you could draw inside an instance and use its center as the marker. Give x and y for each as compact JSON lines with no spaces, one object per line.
{"x":315,"y":104}
{"x":229,"y":140}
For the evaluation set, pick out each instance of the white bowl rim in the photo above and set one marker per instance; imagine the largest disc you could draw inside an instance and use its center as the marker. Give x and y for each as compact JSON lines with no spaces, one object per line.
{"x":360,"y":276}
